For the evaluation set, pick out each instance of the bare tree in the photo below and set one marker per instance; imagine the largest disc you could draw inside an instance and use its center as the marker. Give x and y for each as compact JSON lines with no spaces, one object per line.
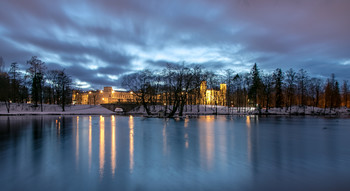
{"x":140,"y":84}
{"x":315,"y":89}
{"x":290,"y":87}
{"x":302,"y":81}
{"x":64,"y":84}
{"x":267,"y":81}
{"x":36,"y":74}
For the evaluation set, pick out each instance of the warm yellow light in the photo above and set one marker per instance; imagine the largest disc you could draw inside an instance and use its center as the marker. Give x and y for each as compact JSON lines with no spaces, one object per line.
{"x":113,"y":91}
{"x":103,"y":98}
{"x":131,"y":92}
{"x":101,"y":91}
{"x":89,"y":92}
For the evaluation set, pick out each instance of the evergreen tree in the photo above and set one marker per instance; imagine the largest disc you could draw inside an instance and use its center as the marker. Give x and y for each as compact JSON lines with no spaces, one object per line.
{"x":255,"y":85}
{"x":15,"y":82}
{"x":278,"y":84}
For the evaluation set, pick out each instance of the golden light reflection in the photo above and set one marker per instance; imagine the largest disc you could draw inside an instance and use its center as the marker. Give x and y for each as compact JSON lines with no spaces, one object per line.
{"x":77,"y":141}
{"x":113,"y":147}
{"x":207,"y":141}
{"x":102,"y":145}
{"x":249,"y":138}
{"x":90,"y":141}
{"x":186,"y":122}
{"x":131,"y":143}
{"x":186,"y":138}
{"x":164,"y":138}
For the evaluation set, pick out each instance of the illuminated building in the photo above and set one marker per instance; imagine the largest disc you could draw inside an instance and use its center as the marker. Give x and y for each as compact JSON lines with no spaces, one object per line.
{"x":105,"y":96}
{"x":213,"y":96}
{"x":108,"y":95}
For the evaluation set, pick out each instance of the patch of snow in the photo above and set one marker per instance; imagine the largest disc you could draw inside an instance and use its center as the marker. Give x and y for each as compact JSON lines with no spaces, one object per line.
{"x":28,"y":109}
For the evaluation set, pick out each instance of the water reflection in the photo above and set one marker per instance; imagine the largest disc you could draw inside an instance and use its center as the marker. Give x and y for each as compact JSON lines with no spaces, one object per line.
{"x":90,"y":142}
{"x":113,"y":146}
{"x":165,"y":143}
{"x":102,"y":145}
{"x":131,"y":142}
{"x":206,"y":153}
{"x":77,"y":142}
{"x":207,"y":141}
{"x":249,"y":138}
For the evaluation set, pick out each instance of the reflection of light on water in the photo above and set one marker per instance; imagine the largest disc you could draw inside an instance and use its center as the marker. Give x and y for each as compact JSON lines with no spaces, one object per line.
{"x":186,"y":122}
{"x":249,"y":138}
{"x":102,"y":145}
{"x":248,"y":121}
{"x":207,"y":140}
{"x":186,"y":138}
{"x":131,"y":143}
{"x":164,"y":138}
{"x":90,"y":142}
{"x":77,"y":141}
{"x":186,"y":135}
{"x":113,"y":146}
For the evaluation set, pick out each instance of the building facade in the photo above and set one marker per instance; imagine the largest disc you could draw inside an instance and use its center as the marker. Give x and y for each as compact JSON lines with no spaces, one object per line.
{"x":107,"y":95}
{"x":213,"y":96}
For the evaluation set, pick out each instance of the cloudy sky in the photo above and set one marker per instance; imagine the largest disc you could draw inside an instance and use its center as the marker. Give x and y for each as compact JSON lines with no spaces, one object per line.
{"x":100,"y":41}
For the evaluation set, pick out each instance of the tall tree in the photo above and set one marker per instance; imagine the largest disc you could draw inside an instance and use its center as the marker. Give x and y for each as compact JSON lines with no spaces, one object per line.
{"x":332,"y":93}
{"x":267,"y":80}
{"x":278,"y":84}
{"x":4,"y":90}
{"x":302,"y":80}
{"x":228,"y":79}
{"x":64,"y":85}
{"x":36,"y":74}
{"x":345,"y":91}
{"x":290,"y":87}
{"x":253,"y":92}
{"x":15,"y":82}
{"x":2,"y":64}
{"x":140,"y":83}
{"x":315,"y":89}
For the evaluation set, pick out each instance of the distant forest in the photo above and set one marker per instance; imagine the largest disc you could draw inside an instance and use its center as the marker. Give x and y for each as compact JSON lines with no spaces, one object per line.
{"x":36,"y":84}
{"x":178,"y":85}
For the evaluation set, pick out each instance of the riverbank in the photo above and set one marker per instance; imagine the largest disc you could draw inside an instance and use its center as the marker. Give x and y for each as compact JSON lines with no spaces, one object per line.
{"x":158,"y":110}
{"x":192,"y":110}
{"x":28,"y":109}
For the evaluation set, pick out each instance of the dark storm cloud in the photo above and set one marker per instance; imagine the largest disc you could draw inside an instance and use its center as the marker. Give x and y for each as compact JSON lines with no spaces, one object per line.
{"x":99,"y":41}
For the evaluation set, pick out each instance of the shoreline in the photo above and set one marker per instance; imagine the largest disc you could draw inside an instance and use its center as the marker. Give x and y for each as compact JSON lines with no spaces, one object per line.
{"x":158,"y":112}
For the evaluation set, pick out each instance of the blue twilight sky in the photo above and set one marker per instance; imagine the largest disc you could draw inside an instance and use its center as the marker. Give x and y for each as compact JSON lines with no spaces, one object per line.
{"x":98,"y":41}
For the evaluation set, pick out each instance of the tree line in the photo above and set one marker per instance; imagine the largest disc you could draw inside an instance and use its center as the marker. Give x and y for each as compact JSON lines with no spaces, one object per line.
{"x":179,"y":85}
{"x":36,"y":84}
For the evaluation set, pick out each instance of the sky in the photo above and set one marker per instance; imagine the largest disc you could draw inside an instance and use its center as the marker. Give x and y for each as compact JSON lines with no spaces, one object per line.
{"x":97,"y":42}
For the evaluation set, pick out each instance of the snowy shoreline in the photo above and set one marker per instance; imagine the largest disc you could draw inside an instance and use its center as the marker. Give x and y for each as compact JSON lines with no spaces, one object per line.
{"x":194,"y":110}
{"x":28,"y":109}
{"x":158,"y":110}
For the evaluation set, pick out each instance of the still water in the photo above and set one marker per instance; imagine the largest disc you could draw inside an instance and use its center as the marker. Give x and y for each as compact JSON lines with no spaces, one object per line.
{"x":205,"y":153}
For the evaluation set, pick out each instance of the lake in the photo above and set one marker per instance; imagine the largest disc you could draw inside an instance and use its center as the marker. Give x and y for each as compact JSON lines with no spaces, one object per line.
{"x":204,"y":153}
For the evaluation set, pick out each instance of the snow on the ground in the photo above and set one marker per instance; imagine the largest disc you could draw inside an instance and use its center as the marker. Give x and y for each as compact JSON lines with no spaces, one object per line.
{"x":27,"y":109}
{"x":224,"y":110}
